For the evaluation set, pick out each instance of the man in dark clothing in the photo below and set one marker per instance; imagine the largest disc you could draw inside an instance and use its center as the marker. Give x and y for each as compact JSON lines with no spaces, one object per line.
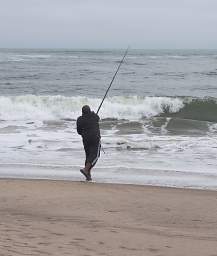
{"x":88,"y":128}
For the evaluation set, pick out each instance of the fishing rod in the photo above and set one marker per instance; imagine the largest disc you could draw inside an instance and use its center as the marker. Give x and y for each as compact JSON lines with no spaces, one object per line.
{"x":112,"y":80}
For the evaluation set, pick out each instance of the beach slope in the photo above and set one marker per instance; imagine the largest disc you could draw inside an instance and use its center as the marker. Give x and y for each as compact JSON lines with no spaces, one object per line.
{"x":78,"y":218}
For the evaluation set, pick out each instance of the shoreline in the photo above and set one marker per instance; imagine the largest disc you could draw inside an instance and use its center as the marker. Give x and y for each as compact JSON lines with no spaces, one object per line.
{"x":145,"y":177}
{"x":43,"y":217}
{"x":106,"y":183}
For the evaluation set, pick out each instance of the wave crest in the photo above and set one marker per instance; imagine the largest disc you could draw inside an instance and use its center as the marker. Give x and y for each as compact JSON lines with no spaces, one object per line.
{"x":196,"y":109}
{"x":32,"y":107}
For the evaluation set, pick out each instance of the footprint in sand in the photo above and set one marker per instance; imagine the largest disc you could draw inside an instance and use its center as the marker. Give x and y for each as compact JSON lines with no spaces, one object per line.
{"x":153,"y":250}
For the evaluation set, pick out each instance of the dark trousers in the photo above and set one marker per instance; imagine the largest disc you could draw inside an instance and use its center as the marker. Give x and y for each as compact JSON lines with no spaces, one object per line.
{"x":92,"y":151}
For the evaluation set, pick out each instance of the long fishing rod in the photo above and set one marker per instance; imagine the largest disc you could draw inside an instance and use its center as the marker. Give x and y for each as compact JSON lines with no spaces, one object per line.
{"x":112,"y":80}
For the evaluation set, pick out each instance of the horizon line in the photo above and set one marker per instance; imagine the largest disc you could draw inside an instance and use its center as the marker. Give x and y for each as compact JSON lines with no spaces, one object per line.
{"x":95,"y":48}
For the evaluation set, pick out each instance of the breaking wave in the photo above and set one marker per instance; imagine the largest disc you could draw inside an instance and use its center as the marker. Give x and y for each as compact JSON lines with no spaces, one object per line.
{"x":196,"y":109}
{"x":31,"y":107}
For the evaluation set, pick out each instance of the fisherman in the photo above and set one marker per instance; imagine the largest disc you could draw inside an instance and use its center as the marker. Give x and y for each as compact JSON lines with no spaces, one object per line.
{"x":88,"y":128}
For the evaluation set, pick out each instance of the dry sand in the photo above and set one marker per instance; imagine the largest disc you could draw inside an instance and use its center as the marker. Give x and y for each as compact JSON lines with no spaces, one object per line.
{"x":79,"y":218}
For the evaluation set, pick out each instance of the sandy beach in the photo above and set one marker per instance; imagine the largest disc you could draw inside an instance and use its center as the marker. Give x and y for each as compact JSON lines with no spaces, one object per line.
{"x":39,"y":217}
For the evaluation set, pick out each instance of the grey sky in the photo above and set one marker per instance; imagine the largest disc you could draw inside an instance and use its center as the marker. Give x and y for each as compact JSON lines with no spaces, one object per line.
{"x":108,"y":23}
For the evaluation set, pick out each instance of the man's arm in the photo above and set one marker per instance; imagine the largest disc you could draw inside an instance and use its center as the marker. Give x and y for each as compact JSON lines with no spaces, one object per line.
{"x":97,"y":117}
{"x":79,"y":128}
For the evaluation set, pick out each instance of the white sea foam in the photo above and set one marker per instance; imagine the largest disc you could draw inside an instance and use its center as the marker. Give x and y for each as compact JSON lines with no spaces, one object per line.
{"x":213,"y":128}
{"x":31,"y":107}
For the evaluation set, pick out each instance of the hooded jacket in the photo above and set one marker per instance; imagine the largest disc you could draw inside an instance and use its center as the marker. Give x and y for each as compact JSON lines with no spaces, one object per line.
{"x":88,"y":126}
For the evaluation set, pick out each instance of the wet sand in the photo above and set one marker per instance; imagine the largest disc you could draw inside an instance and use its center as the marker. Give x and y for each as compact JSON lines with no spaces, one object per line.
{"x":88,"y":219}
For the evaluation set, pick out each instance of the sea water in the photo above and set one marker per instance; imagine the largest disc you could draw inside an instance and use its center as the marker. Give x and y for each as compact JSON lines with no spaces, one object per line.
{"x":158,"y":123}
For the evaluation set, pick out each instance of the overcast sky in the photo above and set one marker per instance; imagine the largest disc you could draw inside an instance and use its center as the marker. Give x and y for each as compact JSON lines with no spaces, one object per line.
{"x":108,"y":23}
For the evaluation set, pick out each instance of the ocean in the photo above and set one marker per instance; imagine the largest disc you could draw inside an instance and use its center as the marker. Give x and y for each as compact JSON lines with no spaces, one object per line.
{"x":158,"y":123}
